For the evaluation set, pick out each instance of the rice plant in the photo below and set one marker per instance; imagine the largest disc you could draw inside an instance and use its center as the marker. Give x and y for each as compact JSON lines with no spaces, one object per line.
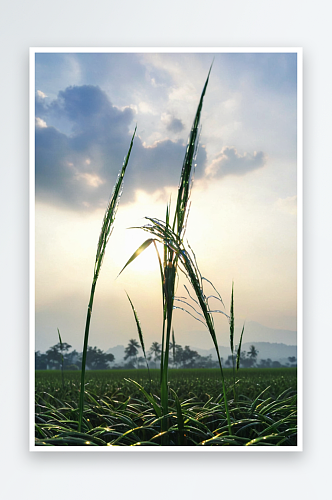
{"x":140,"y":334}
{"x":104,"y":236}
{"x":61,"y":349}
{"x":172,"y":239}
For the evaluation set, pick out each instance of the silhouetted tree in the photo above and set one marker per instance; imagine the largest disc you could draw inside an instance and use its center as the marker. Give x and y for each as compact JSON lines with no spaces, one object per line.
{"x":229,"y":360}
{"x":132,"y":349}
{"x":155,"y":351}
{"x":253,"y":353}
{"x":178,"y":355}
{"x":40,"y":361}
{"x":292,"y":359}
{"x":140,"y":361}
{"x":189,"y":357}
{"x":265,"y":363}
{"x":54,"y":353}
{"x":245,"y":360}
{"x":96,"y":359}
{"x":176,"y":351}
{"x":206,"y":362}
{"x":72,"y":360}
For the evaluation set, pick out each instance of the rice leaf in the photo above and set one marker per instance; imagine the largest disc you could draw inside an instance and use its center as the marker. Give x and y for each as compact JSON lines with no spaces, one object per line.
{"x":180,"y":418}
{"x":140,"y":335}
{"x":61,"y":347}
{"x":238,"y":357}
{"x":175,"y":244}
{"x":231,"y":321}
{"x":140,"y":249}
{"x":184,"y":187}
{"x":101,"y":247}
{"x":148,"y":397}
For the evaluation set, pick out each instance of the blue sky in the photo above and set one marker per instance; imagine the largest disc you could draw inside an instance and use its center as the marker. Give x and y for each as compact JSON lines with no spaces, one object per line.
{"x":243,"y":218}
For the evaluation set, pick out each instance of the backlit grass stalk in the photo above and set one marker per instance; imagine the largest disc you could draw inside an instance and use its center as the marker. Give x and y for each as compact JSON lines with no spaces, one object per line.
{"x":171,"y":257}
{"x":238,"y":357}
{"x":172,"y":240}
{"x":231,"y":336}
{"x":168,"y":268}
{"x":105,"y":234}
{"x":163,"y":233}
{"x":61,"y":348}
{"x":140,"y":335}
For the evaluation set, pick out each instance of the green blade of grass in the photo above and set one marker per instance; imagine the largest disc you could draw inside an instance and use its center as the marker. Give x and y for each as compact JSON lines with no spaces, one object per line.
{"x":101,"y":247}
{"x":61,"y":346}
{"x":238,"y":357}
{"x":140,"y":335}
{"x":170,"y":261}
{"x":231,"y":321}
{"x":140,"y":249}
{"x":172,"y":240}
{"x":148,"y":397}
{"x":180,"y":418}
{"x":184,"y":187}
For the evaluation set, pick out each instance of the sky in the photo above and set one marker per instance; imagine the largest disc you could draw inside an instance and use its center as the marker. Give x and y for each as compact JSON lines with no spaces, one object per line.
{"x":242,"y":224}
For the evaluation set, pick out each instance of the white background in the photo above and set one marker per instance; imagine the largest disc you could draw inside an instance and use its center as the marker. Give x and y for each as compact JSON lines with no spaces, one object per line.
{"x":169,"y":23}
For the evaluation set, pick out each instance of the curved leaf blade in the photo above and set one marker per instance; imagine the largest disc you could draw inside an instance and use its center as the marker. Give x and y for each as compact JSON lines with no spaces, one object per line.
{"x":140,"y":249}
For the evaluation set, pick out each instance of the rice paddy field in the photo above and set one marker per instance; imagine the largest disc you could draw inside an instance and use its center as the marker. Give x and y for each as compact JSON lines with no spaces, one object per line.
{"x":123,"y":408}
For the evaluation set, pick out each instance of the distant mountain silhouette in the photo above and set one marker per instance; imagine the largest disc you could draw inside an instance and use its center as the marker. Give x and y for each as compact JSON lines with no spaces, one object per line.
{"x":274,"y":351}
{"x":276,"y":344}
{"x":118,"y":353}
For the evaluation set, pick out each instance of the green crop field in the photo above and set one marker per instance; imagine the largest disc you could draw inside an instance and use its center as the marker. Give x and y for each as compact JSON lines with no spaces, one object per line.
{"x":122,"y":408}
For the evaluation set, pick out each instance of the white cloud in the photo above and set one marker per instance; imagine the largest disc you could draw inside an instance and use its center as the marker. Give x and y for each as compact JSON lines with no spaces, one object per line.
{"x":41,"y":94}
{"x":40,"y":123}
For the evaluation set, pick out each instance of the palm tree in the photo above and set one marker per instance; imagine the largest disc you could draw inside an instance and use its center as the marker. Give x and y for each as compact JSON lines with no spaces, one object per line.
{"x":253,"y":353}
{"x":132,"y":349}
{"x":140,"y":361}
{"x":155,"y":350}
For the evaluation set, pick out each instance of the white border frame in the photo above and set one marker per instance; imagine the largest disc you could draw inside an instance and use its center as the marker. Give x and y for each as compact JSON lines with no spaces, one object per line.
{"x":299,"y":52}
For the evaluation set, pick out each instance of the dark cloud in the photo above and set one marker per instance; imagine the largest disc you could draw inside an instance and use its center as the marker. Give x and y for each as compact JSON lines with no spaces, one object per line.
{"x":78,"y":168}
{"x":230,"y":162}
{"x":175,"y":125}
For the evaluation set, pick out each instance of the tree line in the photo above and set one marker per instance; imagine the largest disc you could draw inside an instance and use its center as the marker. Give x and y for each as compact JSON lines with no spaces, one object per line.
{"x":59,"y":356}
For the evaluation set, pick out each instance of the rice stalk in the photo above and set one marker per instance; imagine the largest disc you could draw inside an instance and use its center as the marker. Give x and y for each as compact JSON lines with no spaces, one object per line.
{"x":140,"y":335}
{"x":238,"y":357}
{"x":61,"y":347}
{"x":164,"y":234}
{"x":171,"y":237}
{"x":231,"y":336}
{"x":171,"y":257}
{"x":105,"y":234}
{"x":168,"y":268}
